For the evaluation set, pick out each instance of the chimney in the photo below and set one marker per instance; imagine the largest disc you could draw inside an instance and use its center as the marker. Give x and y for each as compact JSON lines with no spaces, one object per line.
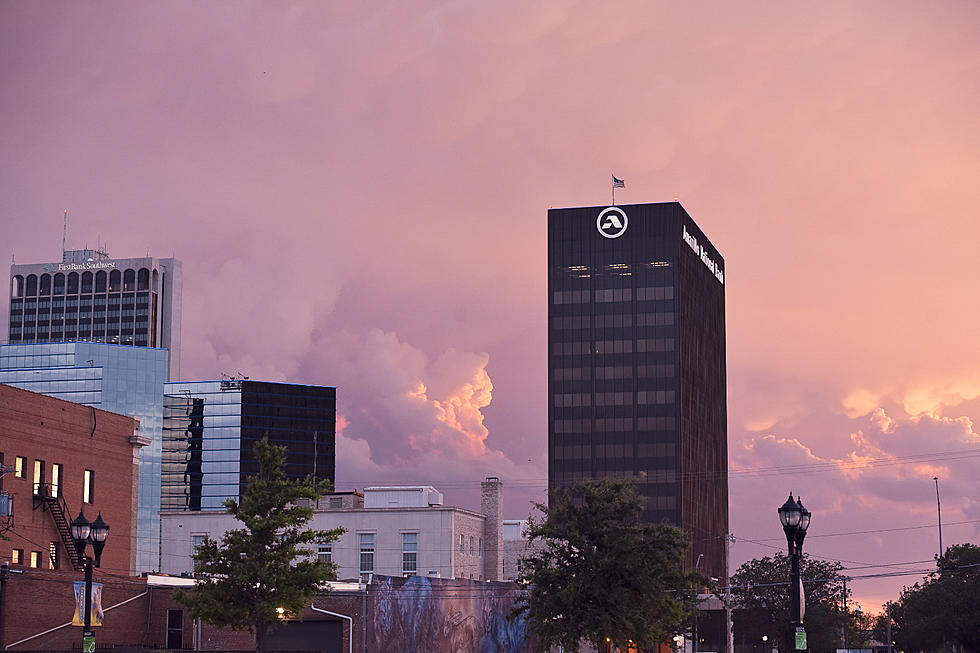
{"x":493,"y":529}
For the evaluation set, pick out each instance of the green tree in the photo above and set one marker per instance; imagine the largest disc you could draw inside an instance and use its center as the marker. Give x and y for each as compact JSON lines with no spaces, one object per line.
{"x":600,"y":572}
{"x":760,"y":593}
{"x":253,"y":571}
{"x":945,"y":608}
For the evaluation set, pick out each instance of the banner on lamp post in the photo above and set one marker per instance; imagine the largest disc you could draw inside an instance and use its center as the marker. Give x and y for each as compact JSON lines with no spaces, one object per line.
{"x":78,"y":619}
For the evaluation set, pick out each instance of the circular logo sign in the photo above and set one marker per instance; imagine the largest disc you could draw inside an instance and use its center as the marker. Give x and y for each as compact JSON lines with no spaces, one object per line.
{"x":612,"y":222}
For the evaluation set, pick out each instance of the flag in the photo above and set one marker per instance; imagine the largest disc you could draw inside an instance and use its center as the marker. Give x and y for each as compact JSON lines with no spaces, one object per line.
{"x":618,"y":183}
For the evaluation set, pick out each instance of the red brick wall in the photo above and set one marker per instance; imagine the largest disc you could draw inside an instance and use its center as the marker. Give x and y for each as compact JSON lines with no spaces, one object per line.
{"x":39,"y":427}
{"x":38,"y":600}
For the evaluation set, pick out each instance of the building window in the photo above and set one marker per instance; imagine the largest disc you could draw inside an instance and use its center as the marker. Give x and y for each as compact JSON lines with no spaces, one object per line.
{"x":38,"y":477}
{"x":56,"y":471}
{"x":175,"y":629}
{"x":481,"y":547}
{"x":52,"y":555}
{"x":197,"y":541}
{"x":324,"y":553}
{"x":410,"y":553}
{"x":462,"y":547}
{"x":472,"y":548}
{"x":88,"y":486}
{"x":17,"y":556}
{"x":366,"y":547}
{"x":35,"y":559}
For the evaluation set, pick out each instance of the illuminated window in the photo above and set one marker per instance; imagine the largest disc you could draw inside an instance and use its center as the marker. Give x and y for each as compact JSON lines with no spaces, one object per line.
{"x":88,"y":486}
{"x":17,"y":556}
{"x":56,"y":472}
{"x":35,"y":559}
{"x":38,"y":477}
{"x":52,"y":555}
{"x":20,"y":466}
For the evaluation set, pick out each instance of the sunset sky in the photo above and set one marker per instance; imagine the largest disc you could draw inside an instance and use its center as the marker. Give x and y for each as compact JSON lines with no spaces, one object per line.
{"x":358,"y":191}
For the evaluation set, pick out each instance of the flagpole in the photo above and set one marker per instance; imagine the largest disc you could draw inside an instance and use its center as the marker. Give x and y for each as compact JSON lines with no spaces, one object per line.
{"x":613,"y":192}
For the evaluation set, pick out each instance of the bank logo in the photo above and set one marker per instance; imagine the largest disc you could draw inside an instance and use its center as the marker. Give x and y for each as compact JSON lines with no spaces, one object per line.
{"x":612,"y":222}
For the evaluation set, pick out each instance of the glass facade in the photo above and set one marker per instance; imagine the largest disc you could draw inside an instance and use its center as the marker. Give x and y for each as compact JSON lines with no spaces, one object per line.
{"x":210,"y":428}
{"x":122,"y":379}
{"x":637,"y":380}
{"x":89,"y":297}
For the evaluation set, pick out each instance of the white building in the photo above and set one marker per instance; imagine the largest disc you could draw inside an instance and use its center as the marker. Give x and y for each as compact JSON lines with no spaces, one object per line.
{"x":393,"y":531}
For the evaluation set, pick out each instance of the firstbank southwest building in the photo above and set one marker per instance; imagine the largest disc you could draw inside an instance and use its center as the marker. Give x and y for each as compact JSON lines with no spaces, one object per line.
{"x":637,"y":381}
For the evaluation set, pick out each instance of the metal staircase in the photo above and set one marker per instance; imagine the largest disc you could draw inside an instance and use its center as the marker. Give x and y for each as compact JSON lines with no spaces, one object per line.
{"x":58,"y":508}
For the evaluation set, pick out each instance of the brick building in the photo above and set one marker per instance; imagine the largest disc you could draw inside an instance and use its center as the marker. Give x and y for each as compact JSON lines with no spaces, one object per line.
{"x":59,"y":458}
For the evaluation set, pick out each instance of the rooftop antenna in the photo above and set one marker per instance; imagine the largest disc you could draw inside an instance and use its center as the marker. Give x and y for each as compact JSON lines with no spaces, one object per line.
{"x":64,"y":236}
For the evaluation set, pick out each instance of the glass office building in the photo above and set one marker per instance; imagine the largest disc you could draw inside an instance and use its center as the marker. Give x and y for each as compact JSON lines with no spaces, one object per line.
{"x":637,"y":379}
{"x":89,"y":296}
{"x":127,"y":380}
{"x":211,"y":427}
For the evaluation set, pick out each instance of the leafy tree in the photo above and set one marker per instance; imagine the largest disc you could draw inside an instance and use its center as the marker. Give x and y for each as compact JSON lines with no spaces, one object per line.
{"x":945,"y":608}
{"x":600,"y":572}
{"x":760,"y":593}
{"x":254,"y":570}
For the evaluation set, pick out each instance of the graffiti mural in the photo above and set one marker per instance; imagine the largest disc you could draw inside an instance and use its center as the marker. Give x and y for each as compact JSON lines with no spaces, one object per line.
{"x":443,"y":615}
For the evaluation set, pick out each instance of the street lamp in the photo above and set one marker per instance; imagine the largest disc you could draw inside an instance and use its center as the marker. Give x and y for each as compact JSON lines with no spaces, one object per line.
{"x":795,"y":520}
{"x":83,"y":531}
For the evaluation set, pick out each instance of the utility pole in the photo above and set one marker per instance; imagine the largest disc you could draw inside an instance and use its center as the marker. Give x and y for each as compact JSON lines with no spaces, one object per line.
{"x":843,"y":626}
{"x":4,"y":569}
{"x":939,"y":514}
{"x":888,"y":629}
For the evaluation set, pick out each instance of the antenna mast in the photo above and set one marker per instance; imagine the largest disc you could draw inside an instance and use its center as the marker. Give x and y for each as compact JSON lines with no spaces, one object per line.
{"x":64,"y":236}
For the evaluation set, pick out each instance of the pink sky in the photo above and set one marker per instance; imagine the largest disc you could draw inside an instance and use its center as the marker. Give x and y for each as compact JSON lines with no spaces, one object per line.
{"x":359,"y":190}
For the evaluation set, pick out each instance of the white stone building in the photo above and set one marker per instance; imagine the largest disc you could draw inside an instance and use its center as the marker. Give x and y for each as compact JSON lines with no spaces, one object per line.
{"x":392,"y":531}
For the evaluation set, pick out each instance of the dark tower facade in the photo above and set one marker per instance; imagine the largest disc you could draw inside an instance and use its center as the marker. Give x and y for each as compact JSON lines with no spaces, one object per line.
{"x":636,"y":360}
{"x":210,"y":429}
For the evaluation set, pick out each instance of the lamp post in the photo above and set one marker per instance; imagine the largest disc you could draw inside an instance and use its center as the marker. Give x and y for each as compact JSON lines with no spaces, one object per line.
{"x":83,"y":531}
{"x":795,"y":520}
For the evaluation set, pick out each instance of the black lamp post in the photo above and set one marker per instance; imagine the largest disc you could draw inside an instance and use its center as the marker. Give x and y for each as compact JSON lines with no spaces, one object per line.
{"x":83,"y":531}
{"x":795,"y":520}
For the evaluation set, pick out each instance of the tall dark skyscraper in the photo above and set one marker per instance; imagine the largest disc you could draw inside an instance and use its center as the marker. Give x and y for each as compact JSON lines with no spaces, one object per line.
{"x":636,"y":360}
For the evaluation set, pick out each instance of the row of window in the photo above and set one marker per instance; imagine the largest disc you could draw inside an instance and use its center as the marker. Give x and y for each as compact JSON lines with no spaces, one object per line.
{"x":410,"y":549}
{"x":616,"y":321}
{"x":72,"y":283}
{"x":611,"y":372}
{"x":53,"y":487}
{"x":607,"y":295}
{"x":614,"y":424}
{"x":643,"y":398}
{"x":615,"y":450}
{"x":34,"y":559}
{"x":643,"y":345}
{"x":140,"y":299}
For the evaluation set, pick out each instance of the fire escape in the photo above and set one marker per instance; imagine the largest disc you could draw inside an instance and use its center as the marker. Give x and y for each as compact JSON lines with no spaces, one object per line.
{"x":49,"y":499}
{"x":6,"y":504}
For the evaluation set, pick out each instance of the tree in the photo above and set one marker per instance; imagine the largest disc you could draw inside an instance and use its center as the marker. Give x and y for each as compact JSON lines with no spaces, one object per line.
{"x":945,"y":608}
{"x":253,"y":571}
{"x":760,"y":593}
{"x":600,"y":572}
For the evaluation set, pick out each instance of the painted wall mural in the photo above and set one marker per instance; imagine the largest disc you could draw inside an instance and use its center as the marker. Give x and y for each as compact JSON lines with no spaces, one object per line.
{"x":438,"y":614}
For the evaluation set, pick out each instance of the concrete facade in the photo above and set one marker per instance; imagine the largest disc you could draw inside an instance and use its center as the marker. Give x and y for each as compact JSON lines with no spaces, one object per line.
{"x":450,"y":542}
